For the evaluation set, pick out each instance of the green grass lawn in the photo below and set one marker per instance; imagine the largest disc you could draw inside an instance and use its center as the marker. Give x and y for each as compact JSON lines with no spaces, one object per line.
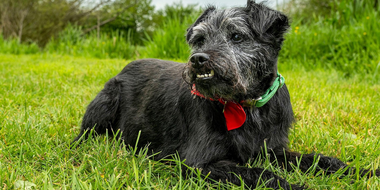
{"x":43,"y":97}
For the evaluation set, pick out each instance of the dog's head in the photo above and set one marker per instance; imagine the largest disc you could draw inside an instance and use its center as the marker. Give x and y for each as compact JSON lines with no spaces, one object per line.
{"x":234,"y":51}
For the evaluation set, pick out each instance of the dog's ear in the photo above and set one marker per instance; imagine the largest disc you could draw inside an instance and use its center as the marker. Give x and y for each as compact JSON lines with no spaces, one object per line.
{"x":268,"y":21}
{"x":278,"y":26}
{"x":199,"y":20}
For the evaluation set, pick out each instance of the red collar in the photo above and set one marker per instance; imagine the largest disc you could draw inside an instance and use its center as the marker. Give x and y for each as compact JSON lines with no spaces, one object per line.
{"x":233,"y":112}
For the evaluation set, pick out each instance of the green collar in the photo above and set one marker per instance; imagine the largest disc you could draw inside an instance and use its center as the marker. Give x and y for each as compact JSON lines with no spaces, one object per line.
{"x":277,"y":84}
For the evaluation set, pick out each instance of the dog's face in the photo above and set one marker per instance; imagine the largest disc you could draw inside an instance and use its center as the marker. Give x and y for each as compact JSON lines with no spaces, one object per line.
{"x":234,"y":51}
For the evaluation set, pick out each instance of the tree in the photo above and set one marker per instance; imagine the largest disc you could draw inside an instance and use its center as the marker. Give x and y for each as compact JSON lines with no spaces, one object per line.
{"x":39,"y":20}
{"x":130,"y":17}
{"x":13,"y":15}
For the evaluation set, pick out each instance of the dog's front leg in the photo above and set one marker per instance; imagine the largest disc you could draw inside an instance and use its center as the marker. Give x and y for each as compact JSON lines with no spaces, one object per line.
{"x":306,"y":162}
{"x":229,"y":171}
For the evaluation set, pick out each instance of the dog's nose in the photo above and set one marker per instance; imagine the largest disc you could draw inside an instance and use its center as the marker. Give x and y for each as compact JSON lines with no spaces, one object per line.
{"x":198,"y":60}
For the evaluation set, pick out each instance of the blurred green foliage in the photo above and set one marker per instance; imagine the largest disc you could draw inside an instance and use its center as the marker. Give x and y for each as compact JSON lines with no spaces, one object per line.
{"x":327,"y":34}
{"x":338,"y":34}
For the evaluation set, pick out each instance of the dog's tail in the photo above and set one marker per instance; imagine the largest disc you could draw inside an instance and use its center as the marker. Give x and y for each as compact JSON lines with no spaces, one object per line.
{"x":100,"y":115}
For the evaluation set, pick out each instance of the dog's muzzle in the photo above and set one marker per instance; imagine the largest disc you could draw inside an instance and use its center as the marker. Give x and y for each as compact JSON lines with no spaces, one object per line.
{"x":198,"y":61}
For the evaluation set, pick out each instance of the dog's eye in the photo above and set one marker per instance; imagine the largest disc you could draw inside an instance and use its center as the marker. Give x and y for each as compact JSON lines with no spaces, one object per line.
{"x":200,"y":41}
{"x":237,"y":38}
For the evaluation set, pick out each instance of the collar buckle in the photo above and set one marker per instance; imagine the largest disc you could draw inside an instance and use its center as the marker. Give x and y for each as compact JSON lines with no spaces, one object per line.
{"x":254,"y":101}
{"x":250,"y":102}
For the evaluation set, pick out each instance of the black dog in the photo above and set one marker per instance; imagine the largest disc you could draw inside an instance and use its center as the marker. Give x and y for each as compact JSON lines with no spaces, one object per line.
{"x":219,"y":110}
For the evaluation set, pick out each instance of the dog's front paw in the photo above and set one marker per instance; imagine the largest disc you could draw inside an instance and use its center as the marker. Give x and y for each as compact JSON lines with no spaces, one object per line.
{"x":297,"y":187}
{"x":289,"y":186}
{"x":280,"y":183}
{"x":369,"y":173}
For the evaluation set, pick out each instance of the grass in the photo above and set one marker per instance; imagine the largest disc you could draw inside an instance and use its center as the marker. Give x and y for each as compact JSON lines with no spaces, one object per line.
{"x":352,"y":48}
{"x":13,"y":46}
{"x":169,"y":41}
{"x":71,"y":41}
{"x":43,"y":98}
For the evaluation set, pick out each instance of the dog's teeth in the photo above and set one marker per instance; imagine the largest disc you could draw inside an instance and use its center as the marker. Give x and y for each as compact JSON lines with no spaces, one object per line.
{"x":210,"y":74}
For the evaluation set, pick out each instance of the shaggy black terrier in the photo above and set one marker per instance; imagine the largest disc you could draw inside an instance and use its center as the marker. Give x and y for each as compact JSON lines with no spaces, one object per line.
{"x":224,"y":107}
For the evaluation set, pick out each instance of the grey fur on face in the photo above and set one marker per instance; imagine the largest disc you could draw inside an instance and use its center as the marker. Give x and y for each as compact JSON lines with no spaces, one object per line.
{"x":240,"y":50}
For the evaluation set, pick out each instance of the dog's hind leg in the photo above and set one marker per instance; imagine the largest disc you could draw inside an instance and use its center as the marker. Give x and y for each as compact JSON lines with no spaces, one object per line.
{"x":101,"y":112}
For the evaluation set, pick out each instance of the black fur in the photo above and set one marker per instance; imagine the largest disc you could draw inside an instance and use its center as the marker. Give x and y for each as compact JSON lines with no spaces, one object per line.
{"x":153,"y":96}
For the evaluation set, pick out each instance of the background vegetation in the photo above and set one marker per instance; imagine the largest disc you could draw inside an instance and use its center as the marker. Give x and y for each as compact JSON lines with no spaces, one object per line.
{"x":56,"y":55}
